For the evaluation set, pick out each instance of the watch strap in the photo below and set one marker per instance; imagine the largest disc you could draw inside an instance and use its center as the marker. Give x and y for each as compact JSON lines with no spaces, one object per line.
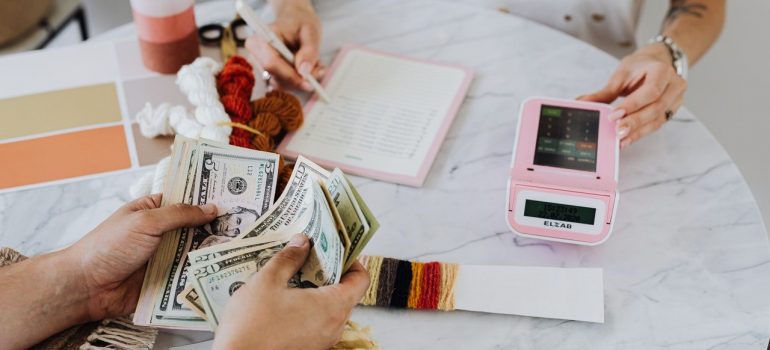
{"x":679,"y":58}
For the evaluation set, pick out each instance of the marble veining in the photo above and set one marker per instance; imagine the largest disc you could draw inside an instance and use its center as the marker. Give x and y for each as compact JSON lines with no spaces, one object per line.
{"x":688,"y":266}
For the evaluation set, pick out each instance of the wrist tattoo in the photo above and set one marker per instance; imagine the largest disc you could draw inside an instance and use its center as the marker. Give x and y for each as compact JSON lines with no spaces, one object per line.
{"x":684,"y":7}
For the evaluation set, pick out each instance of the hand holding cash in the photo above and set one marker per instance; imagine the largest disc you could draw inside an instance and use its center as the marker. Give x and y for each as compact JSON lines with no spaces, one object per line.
{"x":317,"y":314}
{"x":100,"y":276}
{"x":196,"y":271}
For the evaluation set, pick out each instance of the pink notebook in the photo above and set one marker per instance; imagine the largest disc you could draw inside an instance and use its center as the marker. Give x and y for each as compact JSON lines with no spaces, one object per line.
{"x":387,"y":117}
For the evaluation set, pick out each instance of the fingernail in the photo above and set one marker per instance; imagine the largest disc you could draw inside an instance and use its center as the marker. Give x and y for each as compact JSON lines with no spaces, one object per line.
{"x":306,"y":86}
{"x":622,"y":132}
{"x":321,"y":71}
{"x":617,"y":114}
{"x":624,"y":143}
{"x":305,"y":68}
{"x":298,"y":240}
{"x":209,"y":209}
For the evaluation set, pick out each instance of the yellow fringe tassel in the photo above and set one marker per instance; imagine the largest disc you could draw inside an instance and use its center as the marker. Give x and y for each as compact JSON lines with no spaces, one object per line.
{"x":416,"y":285}
{"x":446,"y":301}
{"x":242,"y":126}
{"x":373,"y":265}
{"x":356,"y":338}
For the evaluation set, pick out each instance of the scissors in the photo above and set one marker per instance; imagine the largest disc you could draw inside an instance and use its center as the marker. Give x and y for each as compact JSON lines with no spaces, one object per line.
{"x":228,"y":36}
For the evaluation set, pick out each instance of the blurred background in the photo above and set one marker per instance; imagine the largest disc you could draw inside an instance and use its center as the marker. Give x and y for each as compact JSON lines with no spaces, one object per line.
{"x":726,"y":88}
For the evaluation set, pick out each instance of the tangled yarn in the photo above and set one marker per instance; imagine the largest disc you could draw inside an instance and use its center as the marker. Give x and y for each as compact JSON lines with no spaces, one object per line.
{"x":286,"y":108}
{"x":209,"y":119}
{"x":235,"y":83}
{"x":223,"y":112}
{"x":151,"y":182}
{"x":257,"y":125}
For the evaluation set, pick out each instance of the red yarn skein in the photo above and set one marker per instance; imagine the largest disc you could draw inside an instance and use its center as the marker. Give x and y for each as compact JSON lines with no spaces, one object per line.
{"x":235,"y":83}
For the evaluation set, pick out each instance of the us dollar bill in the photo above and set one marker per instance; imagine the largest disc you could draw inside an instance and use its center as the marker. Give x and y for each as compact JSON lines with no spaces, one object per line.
{"x":190,"y":296}
{"x":156,"y":286}
{"x":349,"y":210}
{"x":218,"y":279}
{"x":205,"y":265}
{"x":304,"y":208}
{"x":240,"y":182}
{"x":242,"y":185}
{"x":340,"y":197}
{"x":369,"y":218}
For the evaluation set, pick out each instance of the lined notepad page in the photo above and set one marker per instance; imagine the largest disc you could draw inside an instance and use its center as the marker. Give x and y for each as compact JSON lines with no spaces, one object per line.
{"x":386,"y":115}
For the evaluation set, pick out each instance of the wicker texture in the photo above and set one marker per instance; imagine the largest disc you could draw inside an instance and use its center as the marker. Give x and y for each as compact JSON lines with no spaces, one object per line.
{"x":18,"y":17}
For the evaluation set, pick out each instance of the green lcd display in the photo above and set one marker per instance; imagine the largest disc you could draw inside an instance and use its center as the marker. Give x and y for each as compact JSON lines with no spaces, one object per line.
{"x":567,"y":138}
{"x":560,"y":212}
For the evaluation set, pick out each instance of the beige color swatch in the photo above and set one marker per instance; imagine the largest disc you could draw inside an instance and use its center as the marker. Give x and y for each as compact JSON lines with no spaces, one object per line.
{"x":58,"y":110}
{"x":151,"y":151}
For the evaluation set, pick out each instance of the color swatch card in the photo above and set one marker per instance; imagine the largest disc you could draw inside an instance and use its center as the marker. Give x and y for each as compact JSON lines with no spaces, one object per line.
{"x":67,"y":114}
{"x":387,"y":117}
{"x":60,"y":115}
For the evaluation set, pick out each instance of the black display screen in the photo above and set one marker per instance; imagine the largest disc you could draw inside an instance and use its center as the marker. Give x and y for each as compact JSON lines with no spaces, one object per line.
{"x":567,"y":138}
{"x":560,"y":212}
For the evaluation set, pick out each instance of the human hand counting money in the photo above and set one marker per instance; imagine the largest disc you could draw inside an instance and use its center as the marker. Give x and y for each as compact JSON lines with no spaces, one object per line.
{"x":112,"y":257}
{"x":266,"y":314}
{"x":100,"y":277}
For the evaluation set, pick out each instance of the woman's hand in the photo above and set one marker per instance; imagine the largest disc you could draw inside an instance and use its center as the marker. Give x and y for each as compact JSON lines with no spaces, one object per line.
{"x":112,"y":257}
{"x":266,"y":314}
{"x":298,"y":26}
{"x":652,"y":89}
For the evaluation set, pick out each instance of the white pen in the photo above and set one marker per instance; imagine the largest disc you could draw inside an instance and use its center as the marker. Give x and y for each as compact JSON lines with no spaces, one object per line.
{"x":251,"y":18}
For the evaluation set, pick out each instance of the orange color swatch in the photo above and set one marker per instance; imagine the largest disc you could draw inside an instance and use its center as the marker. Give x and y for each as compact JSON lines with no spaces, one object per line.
{"x":63,"y":156}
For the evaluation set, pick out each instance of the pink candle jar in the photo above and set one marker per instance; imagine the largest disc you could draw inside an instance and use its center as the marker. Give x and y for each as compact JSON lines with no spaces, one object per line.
{"x":168,"y":36}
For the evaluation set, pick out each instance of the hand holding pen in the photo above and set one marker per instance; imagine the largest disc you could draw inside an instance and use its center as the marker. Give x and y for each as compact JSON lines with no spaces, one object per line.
{"x":288,"y":48}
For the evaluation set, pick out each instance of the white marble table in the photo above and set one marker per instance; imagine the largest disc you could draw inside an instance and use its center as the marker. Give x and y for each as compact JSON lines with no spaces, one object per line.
{"x":688,"y":266}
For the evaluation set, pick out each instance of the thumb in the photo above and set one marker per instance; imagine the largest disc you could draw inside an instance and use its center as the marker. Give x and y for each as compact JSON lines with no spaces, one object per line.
{"x":163,"y":219}
{"x":307,"y":56}
{"x":288,"y":261}
{"x":354,"y":284}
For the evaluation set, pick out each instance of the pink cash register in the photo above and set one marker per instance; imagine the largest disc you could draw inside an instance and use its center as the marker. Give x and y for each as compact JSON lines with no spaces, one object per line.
{"x":564,"y":172}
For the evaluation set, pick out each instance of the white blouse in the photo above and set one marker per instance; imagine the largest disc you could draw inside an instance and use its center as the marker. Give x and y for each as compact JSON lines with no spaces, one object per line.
{"x":609,"y":25}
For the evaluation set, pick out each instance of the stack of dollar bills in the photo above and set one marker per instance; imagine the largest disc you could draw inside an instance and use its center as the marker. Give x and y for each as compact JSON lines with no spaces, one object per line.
{"x":195,"y":270}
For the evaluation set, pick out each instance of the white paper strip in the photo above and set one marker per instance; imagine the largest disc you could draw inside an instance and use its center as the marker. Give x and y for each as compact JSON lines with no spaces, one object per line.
{"x":55,"y":69}
{"x":550,"y":292}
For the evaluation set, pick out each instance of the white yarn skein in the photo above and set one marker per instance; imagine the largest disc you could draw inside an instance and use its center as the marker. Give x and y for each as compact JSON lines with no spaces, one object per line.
{"x":197,"y":81}
{"x":153,"y":122}
{"x":151,"y":182}
{"x":159,"y":178}
{"x":142,"y":186}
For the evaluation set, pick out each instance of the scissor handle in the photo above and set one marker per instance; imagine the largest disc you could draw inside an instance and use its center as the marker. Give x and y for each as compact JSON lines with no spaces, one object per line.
{"x":211,"y":33}
{"x":239,"y":35}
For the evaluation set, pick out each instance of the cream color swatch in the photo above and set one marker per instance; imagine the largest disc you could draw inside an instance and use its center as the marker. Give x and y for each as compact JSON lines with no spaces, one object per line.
{"x":58,"y":110}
